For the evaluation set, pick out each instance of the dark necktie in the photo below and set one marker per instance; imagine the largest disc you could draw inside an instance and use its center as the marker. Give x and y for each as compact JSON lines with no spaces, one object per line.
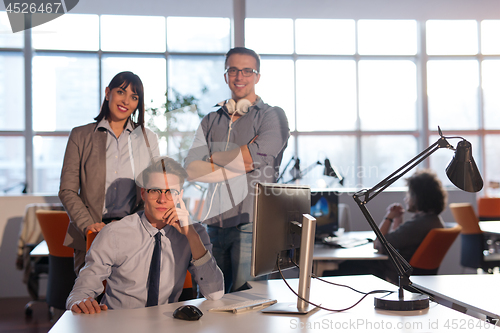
{"x":154,"y":273}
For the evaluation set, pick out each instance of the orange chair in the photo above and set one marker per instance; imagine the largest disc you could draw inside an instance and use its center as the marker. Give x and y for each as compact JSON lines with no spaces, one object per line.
{"x":473,"y":239}
{"x":488,"y":208}
{"x":90,"y":238}
{"x":61,"y":274}
{"x":429,"y":255}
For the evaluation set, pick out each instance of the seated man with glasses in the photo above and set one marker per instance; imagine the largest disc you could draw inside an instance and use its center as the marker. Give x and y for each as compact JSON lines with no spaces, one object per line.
{"x":235,"y":147}
{"x":145,"y":257}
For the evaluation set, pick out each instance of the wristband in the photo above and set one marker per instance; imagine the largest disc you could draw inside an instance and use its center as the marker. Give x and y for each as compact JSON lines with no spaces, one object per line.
{"x":390,"y":220}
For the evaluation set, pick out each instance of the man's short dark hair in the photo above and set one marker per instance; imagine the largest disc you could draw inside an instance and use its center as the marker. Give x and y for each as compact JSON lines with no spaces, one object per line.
{"x":427,"y":191}
{"x":243,"y":50}
{"x":163,"y":164}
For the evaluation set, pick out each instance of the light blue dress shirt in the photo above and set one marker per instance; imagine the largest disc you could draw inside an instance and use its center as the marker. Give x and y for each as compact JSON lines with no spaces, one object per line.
{"x":120,"y":195}
{"x":121,"y":254}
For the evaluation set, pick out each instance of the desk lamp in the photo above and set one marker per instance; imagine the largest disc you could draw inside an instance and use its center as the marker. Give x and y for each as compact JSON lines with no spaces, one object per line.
{"x":462,"y":172}
{"x":330,"y":171}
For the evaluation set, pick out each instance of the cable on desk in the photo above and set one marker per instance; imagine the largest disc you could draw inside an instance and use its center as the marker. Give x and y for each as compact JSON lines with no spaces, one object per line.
{"x":388,"y":292}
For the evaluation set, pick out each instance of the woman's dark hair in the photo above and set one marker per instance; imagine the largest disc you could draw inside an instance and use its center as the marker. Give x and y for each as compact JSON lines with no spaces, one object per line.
{"x":123,"y":80}
{"x":427,"y":191}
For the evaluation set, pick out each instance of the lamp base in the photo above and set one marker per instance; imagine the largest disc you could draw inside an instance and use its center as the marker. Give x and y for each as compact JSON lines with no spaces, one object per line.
{"x":409,"y":302}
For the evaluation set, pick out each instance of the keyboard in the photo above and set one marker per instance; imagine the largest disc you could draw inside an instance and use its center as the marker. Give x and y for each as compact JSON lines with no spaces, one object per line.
{"x":245,"y":306}
{"x":344,"y":242}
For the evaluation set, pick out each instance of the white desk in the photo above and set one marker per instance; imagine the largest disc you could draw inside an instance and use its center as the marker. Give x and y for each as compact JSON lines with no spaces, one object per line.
{"x":491,"y":227}
{"x":327,"y":258}
{"x":492,"y":231}
{"x":476,"y":292}
{"x":361,"y":318}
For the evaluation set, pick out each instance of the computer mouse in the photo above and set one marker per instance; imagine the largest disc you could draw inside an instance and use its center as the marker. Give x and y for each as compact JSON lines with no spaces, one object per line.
{"x":187,"y":312}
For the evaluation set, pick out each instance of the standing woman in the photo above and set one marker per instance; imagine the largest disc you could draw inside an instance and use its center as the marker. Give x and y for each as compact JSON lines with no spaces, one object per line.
{"x":97,"y":179}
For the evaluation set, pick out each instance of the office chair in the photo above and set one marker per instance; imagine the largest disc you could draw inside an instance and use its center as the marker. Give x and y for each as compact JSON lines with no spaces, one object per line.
{"x":473,"y":239}
{"x":431,"y":252}
{"x":61,"y":274}
{"x":488,"y":208}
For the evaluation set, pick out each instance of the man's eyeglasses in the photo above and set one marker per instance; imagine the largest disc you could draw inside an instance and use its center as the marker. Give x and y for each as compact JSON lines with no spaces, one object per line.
{"x":233,"y":71}
{"x":170,"y":193}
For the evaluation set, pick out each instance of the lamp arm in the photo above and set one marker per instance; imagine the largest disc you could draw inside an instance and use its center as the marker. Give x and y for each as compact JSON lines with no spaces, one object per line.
{"x":284,"y":169}
{"x":309,"y":168}
{"x":362,"y":197}
{"x":393,"y":177}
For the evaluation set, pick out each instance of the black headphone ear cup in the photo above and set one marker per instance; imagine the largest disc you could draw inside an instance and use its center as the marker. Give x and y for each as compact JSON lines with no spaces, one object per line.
{"x":230,"y":106}
{"x":242,"y":106}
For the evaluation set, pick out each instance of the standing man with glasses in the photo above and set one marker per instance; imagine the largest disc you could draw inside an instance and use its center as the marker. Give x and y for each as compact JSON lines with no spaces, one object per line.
{"x":145,"y":257}
{"x":235,"y":147}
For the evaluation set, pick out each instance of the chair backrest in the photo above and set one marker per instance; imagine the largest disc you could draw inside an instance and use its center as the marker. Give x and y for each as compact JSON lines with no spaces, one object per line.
{"x":466,"y":217}
{"x":90,"y":238}
{"x":471,"y":253}
{"x":488,"y":208}
{"x":54,"y":225}
{"x":433,"y":248}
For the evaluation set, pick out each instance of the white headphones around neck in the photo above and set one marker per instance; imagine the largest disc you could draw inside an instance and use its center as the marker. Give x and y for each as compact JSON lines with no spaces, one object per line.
{"x":241,"y":107}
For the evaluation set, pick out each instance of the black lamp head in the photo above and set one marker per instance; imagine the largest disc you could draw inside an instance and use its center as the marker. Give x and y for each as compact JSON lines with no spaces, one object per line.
{"x":462,"y":170}
{"x":330,"y":172}
{"x":295,"y":172}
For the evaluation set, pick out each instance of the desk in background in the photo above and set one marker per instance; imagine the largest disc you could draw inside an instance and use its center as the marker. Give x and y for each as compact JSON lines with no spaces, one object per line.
{"x":362,"y":318}
{"x":41,"y":250}
{"x":478,"y":293}
{"x":490,"y":227}
{"x":326,"y":257}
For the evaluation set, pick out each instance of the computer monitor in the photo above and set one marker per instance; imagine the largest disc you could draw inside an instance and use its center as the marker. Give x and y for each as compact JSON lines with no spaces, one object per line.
{"x":283,"y":232}
{"x":325,"y":209}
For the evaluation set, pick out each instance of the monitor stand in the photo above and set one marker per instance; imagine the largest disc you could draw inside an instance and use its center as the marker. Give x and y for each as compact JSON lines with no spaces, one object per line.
{"x":306,"y":261}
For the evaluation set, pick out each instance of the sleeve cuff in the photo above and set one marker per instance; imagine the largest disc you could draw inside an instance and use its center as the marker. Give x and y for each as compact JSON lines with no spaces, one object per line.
{"x":203,"y":260}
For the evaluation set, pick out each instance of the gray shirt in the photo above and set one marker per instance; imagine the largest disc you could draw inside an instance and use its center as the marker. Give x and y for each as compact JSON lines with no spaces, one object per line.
{"x":230,"y":203}
{"x":408,"y":236}
{"x":121,"y":254}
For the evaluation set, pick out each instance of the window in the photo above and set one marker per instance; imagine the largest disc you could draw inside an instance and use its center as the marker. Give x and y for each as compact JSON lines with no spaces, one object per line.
{"x":66,"y":33}
{"x":11,"y":94}
{"x":147,"y":35}
{"x":388,"y":95}
{"x":7,"y":38}
{"x":452,"y":87}
{"x":326,"y":102}
{"x":269,"y":36}
{"x":313,"y":36}
{"x":384,"y":37}
{"x":451,"y":37}
{"x":278,"y":70}
{"x":65,"y":91}
{"x":491,"y":93}
{"x":352,"y":89}
{"x":198,"y":34}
